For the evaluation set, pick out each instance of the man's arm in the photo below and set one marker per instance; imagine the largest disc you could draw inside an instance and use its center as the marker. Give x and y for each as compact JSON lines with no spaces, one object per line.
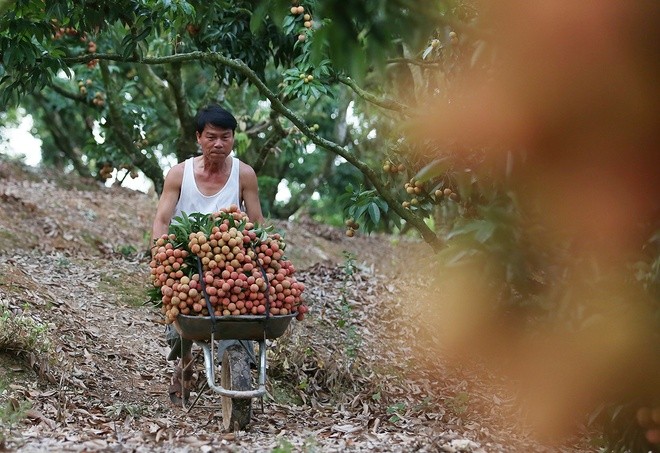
{"x":167,"y":202}
{"x":250,"y":193}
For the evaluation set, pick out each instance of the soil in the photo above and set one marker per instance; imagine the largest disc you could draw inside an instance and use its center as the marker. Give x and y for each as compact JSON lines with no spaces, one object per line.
{"x":355,"y":375}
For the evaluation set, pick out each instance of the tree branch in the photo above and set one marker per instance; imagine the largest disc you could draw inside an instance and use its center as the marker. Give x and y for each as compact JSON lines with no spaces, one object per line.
{"x":414,"y":61}
{"x":278,"y":134}
{"x":388,"y":104}
{"x":149,"y":166}
{"x":63,"y":141}
{"x":156,"y":85}
{"x":427,"y":234}
{"x":186,"y":120}
{"x":78,"y":97}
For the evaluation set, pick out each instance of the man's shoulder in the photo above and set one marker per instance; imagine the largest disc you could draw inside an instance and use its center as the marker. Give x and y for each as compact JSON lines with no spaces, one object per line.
{"x":245,"y":167}
{"x":177,"y":170}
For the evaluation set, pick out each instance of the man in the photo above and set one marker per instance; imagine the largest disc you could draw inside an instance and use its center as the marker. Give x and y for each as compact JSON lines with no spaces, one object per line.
{"x":204,"y":184}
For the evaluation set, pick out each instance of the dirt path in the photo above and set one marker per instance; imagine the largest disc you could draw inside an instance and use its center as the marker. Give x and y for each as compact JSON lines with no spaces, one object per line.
{"x":354,"y":376}
{"x":108,"y":387}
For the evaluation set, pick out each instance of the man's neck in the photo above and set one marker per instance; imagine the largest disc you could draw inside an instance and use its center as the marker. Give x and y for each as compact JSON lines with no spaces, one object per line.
{"x":209,"y":166}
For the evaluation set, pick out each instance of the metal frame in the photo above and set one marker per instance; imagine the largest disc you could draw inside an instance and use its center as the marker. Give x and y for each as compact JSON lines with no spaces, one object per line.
{"x":209,"y":365}
{"x":201,"y":330}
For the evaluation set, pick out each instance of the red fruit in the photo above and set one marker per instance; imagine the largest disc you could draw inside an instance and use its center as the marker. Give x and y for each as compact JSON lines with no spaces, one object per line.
{"x":653,"y":436}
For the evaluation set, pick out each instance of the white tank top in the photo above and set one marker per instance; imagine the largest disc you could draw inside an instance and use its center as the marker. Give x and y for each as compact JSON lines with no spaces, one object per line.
{"x":192,"y":200}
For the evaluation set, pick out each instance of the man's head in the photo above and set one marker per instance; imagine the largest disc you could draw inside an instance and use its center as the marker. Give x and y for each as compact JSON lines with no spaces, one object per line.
{"x":216,"y":116}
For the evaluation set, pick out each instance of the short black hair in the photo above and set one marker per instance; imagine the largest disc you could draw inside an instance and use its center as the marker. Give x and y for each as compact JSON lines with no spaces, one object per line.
{"x":215,"y":115}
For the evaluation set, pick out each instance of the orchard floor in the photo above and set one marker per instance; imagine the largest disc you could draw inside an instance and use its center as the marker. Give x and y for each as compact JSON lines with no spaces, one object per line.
{"x":355,"y":375}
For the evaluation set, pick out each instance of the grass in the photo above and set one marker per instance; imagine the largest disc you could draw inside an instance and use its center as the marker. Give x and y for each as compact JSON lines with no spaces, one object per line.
{"x":8,"y":240}
{"x":11,"y":412}
{"x":21,"y":335}
{"x":120,"y":410}
{"x":128,"y":287}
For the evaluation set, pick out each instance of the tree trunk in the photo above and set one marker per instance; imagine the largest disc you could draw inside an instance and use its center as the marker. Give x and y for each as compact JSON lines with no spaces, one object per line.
{"x":58,"y":129}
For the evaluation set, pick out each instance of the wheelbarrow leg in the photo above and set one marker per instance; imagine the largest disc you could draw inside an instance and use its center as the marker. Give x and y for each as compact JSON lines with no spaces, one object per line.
{"x":186,"y":350}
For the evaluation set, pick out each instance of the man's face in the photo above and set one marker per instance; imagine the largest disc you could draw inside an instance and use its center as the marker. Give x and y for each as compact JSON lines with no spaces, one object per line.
{"x":216,"y":142}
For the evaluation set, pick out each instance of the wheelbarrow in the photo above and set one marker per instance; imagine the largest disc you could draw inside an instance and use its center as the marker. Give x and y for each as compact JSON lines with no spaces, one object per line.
{"x":235,"y":388}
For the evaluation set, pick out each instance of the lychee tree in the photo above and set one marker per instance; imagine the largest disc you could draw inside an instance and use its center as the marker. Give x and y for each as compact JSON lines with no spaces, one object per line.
{"x":285,"y":67}
{"x":142,"y":57}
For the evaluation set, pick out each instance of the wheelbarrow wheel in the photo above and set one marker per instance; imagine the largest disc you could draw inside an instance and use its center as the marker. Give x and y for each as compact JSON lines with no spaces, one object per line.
{"x":236,"y":375}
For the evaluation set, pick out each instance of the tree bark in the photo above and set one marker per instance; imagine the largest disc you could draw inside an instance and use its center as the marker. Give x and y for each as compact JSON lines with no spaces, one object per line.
{"x":124,"y":141}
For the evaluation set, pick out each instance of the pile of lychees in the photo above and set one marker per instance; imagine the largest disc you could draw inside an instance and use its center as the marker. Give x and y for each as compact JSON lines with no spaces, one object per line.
{"x":243,"y":268}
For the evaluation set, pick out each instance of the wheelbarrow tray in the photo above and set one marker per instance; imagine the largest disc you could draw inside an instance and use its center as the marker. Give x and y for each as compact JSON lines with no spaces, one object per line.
{"x":243,"y":327}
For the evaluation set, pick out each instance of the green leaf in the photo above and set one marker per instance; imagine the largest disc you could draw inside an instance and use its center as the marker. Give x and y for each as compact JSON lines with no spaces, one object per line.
{"x":484,"y":231}
{"x":143,"y":34}
{"x":374,"y":213}
{"x":258,"y":15}
{"x":360,"y":210}
{"x":432,"y":170}
{"x":384,"y":207}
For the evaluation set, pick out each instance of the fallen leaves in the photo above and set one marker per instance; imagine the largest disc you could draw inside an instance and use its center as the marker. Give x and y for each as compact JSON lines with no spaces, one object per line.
{"x":353,"y":376}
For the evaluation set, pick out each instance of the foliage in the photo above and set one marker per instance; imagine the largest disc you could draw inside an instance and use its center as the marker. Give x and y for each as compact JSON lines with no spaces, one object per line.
{"x":20,"y":334}
{"x":10,"y":415}
{"x":353,"y":339}
{"x":104,"y":83}
{"x":365,"y":207}
{"x":620,"y":420}
{"x":128,"y":100}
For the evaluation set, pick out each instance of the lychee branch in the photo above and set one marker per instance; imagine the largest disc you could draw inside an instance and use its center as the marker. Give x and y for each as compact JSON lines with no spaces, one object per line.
{"x":416,"y":62}
{"x":68,"y":94}
{"x":388,"y":104}
{"x":427,"y":233}
{"x":276,"y":104}
{"x":137,"y":158}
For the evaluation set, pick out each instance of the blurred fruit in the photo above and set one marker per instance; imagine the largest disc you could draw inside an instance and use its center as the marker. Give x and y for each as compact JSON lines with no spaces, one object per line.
{"x":192,"y":29}
{"x":453,"y":38}
{"x":644,"y":417}
{"x":655,"y":415}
